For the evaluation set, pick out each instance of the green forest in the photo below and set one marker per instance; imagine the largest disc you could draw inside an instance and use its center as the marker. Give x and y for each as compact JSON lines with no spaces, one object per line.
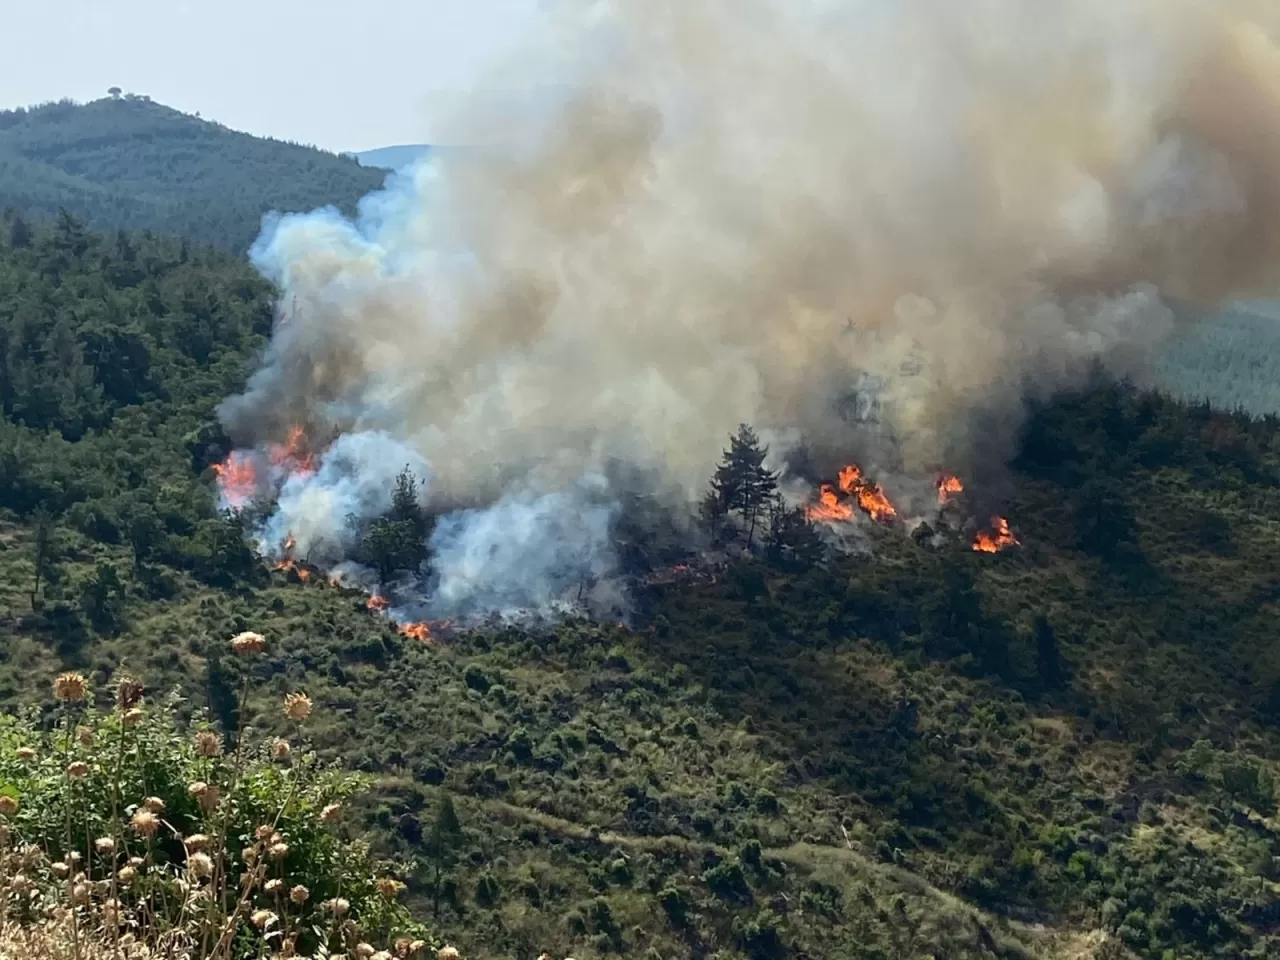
{"x":128,"y":162}
{"x":1064,"y":750}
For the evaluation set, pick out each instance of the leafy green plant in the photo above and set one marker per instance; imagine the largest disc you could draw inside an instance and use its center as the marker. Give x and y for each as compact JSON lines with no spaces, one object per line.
{"x":147,"y":828}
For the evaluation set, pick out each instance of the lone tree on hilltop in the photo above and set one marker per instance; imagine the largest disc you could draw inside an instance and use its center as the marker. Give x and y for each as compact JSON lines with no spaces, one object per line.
{"x":742,"y":484}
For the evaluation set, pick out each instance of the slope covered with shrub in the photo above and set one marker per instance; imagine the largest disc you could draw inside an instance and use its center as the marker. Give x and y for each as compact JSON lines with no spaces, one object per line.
{"x":133,"y":164}
{"x":1067,"y":749}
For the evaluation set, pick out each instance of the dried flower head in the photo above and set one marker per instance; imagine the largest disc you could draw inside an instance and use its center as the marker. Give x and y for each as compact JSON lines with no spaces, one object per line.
{"x":264,"y":832}
{"x":25,"y":754}
{"x":80,"y":892}
{"x":262,"y":919}
{"x":248,"y":643}
{"x":278,"y":851}
{"x":338,"y":906}
{"x":131,"y":717}
{"x":128,"y":692}
{"x":280,"y":750}
{"x":249,"y":855}
{"x":206,"y":794}
{"x":330,"y":813}
{"x":299,"y":894}
{"x":77,"y":769}
{"x":154,"y":804}
{"x":365,"y":950}
{"x":21,"y":883}
{"x":199,"y":865}
{"x":70,"y":687}
{"x":136,"y":862}
{"x":208,"y":744}
{"x":297,"y":707}
{"x":273,"y":886}
{"x":417,"y":946}
{"x":85,"y":736}
{"x":381,"y":955}
{"x":447,"y":953}
{"x":197,"y":841}
{"x":8,"y":806}
{"x":127,"y":875}
{"x":104,"y":846}
{"x":145,"y":823}
{"x":389,"y":888}
{"x":61,"y":870}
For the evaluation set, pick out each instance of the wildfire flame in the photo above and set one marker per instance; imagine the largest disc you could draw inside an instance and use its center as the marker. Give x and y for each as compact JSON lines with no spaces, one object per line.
{"x":287,"y":564}
{"x":998,"y":538}
{"x":869,"y":496}
{"x":377,"y":602}
{"x":850,"y":478}
{"x":948,"y":488}
{"x":872,"y":499}
{"x":829,"y":509}
{"x":293,"y":455}
{"x":417,"y":631}
{"x":237,"y":480}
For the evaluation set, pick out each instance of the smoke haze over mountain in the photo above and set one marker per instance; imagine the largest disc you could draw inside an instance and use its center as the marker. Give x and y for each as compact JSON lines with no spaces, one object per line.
{"x":681,"y":216}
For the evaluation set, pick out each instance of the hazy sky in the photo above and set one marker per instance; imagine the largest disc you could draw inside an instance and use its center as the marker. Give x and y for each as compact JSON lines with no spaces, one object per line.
{"x":342,"y":74}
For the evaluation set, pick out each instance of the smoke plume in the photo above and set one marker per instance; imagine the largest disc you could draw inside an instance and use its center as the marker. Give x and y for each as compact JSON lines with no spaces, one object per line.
{"x":679,"y":215}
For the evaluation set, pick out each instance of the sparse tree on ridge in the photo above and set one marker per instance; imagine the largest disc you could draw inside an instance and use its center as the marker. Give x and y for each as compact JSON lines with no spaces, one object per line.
{"x":742,"y":484}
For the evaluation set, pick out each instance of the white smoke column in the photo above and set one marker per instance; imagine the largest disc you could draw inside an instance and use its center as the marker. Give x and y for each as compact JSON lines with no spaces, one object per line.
{"x":526,"y":552}
{"x":353,"y":483}
{"x":681,"y":215}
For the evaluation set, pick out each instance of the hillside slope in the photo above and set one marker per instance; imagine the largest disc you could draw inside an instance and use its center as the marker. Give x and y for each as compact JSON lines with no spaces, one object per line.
{"x":1068,"y":749}
{"x":134,"y":164}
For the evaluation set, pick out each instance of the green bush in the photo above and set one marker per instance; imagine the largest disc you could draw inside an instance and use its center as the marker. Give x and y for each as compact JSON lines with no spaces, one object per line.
{"x":151,"y":825}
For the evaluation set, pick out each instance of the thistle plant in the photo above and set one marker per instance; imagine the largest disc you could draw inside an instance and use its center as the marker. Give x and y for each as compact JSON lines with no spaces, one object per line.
{"x":125,"y":832}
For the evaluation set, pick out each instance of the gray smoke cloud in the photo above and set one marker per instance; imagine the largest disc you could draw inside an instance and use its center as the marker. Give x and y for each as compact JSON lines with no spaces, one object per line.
{"x":680,"y":215}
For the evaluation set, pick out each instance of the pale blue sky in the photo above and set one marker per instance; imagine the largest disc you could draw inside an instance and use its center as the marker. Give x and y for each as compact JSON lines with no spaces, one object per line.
{"x":343,"y":74}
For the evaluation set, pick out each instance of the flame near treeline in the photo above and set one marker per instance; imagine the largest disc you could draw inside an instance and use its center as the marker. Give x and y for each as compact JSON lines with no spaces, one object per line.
{"x":682,"y":215}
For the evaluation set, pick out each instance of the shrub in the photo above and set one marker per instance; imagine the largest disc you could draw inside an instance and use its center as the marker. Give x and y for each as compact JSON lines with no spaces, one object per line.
{"x":155,"y":831}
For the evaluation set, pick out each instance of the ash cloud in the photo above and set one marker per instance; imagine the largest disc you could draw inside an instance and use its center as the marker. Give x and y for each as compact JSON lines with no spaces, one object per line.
{"x":680,"y":215}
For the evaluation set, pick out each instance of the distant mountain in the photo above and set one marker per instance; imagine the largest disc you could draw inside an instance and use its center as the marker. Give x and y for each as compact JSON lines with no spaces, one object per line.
{"x":131,"y":163}
{"x":392,"y":158}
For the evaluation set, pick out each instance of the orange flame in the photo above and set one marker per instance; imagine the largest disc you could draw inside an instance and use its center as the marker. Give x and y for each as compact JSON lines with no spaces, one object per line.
{"x":284,"y":566}
{"x":377,"y":602}
{"x":948,"y":488}
{"x":417,"y":631}
{"x":869,"y":496}
{"x":872,"y":499}
{"x":293,"y":454}
{"x":850,"y":478}
{"x":237,"y":479}
{"x":829,"y":509}
{"x":998,"y":538}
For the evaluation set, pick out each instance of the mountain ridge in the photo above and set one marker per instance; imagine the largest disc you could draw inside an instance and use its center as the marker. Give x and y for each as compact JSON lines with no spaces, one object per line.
{"x":132,"y":163}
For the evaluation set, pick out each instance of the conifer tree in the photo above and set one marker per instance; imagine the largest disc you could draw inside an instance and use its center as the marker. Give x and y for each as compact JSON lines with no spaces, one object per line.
{"x":742,"y":484}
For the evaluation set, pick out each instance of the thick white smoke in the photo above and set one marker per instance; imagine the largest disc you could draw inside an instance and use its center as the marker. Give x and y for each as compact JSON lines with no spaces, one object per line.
{"x":680,"y":215}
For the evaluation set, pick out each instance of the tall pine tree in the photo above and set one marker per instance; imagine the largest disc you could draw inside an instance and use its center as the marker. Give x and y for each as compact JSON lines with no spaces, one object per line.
{"x":742,"y":484}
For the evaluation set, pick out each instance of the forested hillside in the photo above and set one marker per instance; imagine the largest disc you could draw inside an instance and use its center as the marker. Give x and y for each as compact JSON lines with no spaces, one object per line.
{"x":1064,"y":750}
{"x":130,"y":163}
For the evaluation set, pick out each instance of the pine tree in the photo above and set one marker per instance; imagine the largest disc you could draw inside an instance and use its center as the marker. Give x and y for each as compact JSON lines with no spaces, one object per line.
{"x":742,"y":484}
{"x":444,"y":833}
{"x":43,"y":543}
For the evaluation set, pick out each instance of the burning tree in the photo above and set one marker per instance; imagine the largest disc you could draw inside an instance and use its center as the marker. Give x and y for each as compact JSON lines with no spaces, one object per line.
{"x":742,"y":484}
